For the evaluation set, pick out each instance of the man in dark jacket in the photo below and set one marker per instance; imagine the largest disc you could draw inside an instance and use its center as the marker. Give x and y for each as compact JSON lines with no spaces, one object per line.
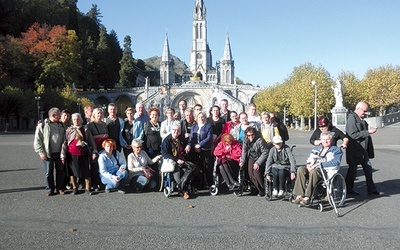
{"x":360,"y":149}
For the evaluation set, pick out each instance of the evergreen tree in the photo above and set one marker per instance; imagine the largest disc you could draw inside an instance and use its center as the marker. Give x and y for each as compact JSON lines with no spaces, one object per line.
{"x":89,"y":66}
{"x":115,"y":56}
{"x":127,"y":74}
{"x":104,"y":71}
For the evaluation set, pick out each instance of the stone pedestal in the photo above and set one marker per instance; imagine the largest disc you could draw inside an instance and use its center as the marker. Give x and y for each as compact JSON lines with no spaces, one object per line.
{"x":339,"y":118}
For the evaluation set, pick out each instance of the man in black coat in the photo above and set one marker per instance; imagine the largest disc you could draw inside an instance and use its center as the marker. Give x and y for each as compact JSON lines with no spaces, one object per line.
{"x":360,"y":149}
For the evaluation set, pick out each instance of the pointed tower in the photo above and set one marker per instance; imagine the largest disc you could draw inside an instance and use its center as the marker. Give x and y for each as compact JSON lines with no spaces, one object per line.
{"x":227,"y":65}
{"x":167,"y":72}
{"x":200,"y":55}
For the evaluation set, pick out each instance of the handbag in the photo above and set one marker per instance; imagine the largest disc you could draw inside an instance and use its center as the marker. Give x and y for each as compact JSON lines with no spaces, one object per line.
{"x":168,"y":166}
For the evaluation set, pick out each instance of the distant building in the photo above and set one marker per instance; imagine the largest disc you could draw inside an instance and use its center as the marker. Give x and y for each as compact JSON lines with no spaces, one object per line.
{"x":201,"y":83}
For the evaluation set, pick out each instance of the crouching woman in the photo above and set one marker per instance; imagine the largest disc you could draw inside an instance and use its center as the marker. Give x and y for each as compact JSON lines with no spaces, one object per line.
{"x":112,"y":167}
{"x":140,"y":173}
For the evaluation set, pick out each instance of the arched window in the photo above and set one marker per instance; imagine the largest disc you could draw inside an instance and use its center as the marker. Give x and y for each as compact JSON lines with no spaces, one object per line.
{"x":228,"y":76}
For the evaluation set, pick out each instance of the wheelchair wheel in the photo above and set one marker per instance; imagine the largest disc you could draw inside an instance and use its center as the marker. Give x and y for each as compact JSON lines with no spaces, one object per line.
{"x":239,"y":191}
{"x":213,"y":190}
{"x":268,"y":189}
{"x":338,"y":190}
{"x":167,"y":192}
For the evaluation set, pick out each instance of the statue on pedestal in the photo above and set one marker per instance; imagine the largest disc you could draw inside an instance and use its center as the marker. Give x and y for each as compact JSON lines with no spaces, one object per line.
{"x":337,"y":90}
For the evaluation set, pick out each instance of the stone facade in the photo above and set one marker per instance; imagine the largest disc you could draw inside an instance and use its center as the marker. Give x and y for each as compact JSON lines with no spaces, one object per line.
{"x":202,"y":83}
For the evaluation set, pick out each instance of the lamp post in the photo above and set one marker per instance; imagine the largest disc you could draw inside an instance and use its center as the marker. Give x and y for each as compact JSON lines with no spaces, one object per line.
{"x":37,"y":98}
{"x":79,"y":105}
{"x":315,"y":104}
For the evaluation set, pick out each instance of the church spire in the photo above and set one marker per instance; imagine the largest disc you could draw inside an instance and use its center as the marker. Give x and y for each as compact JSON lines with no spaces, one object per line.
{"x":227,"y":65}
{"x":199,"y":12}
{"x":227,"y":51}
{"x":166,"y":56}
{"x":167,"y":71}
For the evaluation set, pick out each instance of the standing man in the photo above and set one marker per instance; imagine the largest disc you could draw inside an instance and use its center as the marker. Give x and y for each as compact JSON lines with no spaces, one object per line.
{"x":49,"y":137}
{"x":252,"y":116}
{"x":141,"y":114}
{"x":225,"y":112}
{"x":359,"y":149}
{"x":114,"y":125}
{"x":182,"y":107}
{"x":197,"y":108}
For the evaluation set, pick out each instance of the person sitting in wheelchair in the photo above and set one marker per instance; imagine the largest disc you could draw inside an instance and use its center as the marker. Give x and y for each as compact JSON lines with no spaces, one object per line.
{"x":228,"y":152}
{"x":325,"y":156}
{"x":280,"y":161}
{"x":172,"y":148}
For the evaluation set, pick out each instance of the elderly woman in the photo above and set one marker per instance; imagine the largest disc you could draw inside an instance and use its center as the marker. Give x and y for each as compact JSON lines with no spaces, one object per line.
{"x":112,"y":167}
{"x":228,"y":152}
{"x":280,"y":163}
{"x":268,"y":129}
{"x":140,"y":173}
{"x":230,"y":125}
{"x":152,"y":133}
{"x":255,"y":153}
{"x":172,"y":148}
{"x":76,"y":151}
{"x":238,"y":130}
{"x":99,"y":130}
{"x":200,"y":143}
{"x":167,"y":123}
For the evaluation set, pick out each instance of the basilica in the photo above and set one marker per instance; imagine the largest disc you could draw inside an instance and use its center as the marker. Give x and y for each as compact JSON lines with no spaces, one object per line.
{"x":201,"y":83}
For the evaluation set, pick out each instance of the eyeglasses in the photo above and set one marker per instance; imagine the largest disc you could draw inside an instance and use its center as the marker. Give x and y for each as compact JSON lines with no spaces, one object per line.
{"x":138,"y":147}
{"x":365,"y":111}
{"x":323,"y":126}
{"x":250,"y":135}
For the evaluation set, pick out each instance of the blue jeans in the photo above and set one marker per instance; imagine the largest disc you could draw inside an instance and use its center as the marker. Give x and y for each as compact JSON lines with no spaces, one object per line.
{"x":140,"y":182}
{"x":110,"y":183}
{"x":49,"y":164}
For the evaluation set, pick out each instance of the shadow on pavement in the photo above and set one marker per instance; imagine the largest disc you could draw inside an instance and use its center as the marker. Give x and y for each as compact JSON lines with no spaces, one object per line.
{"x":14,"y":170}
{"x":17,"y":190}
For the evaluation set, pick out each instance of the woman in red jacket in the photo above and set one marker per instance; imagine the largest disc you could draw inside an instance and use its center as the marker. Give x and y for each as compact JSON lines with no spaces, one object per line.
{"x":228,"y":152}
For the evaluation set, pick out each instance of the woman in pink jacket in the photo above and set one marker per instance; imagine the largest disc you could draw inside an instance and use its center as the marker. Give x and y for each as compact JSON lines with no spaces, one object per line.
{"x":228,"y":152}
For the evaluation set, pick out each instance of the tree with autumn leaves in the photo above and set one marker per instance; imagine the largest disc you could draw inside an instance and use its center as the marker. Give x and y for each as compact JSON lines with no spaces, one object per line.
{"x":379,"y":88}
{"x":51,"y":49}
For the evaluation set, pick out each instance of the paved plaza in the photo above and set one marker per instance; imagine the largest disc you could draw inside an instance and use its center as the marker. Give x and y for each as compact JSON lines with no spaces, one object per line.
{"x":31,"y":220}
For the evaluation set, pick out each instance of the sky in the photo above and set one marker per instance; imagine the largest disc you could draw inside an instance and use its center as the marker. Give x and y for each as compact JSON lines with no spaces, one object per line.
{"x":268,"y":38}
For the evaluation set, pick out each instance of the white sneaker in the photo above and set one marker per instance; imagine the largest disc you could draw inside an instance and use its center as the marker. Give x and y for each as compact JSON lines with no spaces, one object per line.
{"x":280,"y":193}
{"x":274,"y":192}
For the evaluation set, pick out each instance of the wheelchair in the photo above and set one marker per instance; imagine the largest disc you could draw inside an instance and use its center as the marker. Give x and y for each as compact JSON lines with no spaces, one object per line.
{"x":330,"y":189}
{"x":169,"y":184}
{"x":288,"y":187}
{"x":287,"y":195}
{"x":237,"y":191}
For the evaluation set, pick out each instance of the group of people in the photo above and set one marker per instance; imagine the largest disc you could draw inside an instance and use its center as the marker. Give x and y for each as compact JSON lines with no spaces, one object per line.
{"x":110,"y":153}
